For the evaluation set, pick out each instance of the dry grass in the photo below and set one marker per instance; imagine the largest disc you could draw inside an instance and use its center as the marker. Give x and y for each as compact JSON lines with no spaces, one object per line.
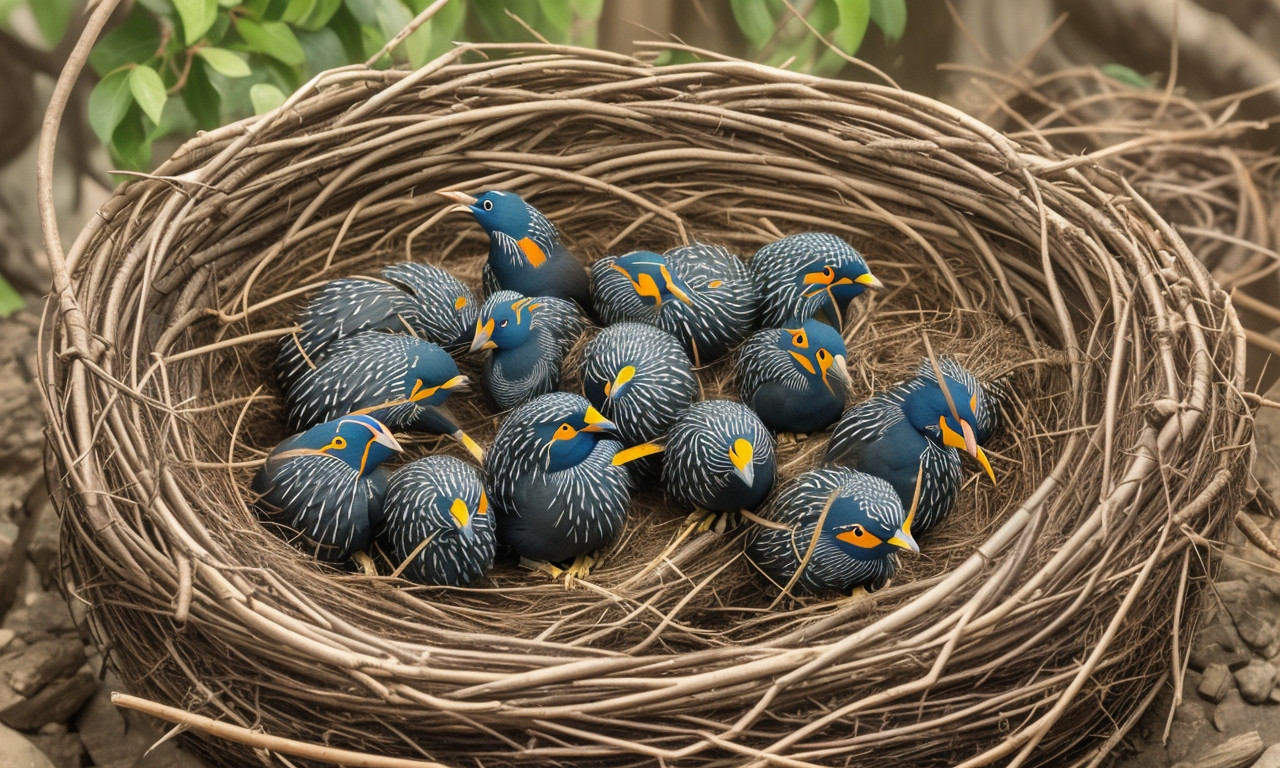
{"x":1032,"y":629}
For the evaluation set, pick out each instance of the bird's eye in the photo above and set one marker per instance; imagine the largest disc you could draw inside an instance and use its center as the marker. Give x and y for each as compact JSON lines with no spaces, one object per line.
{"x":823,"y":355}
{"x":502,"y":324}
{"x":339,"y":442}
{"x":487,"y":205}
{"x":856,"y":530}
{"x":828,"y":271}
{"x":801,"y":341}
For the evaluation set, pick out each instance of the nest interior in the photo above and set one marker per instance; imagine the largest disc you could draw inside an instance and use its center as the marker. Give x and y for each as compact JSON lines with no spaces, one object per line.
{"x":1033,"y":628}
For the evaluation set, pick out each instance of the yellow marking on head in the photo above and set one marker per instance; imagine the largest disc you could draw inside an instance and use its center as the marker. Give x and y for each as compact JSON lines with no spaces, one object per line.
{"x":973,"y":404}
{"x":482,"y":508}
{"x":625,"y":374}
{"x":458,"y":508}
{"x":532,"y":251}
{"x":860,"y":537}
{"x":520,"y":306}
{"x":460,"y":302}
{"x":821,"y":278}
{"x":635,"y":452}
{"x":671,"y":285}
{"x":804,"y":361}
{"x":337,"y":444}
{"x":799,"y":338}
{"x":741,"y":453}
{"x":564,"y":432}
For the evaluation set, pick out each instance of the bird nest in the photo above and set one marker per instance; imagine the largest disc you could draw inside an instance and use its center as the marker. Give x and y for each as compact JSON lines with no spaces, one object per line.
{"x":1034,"y":626}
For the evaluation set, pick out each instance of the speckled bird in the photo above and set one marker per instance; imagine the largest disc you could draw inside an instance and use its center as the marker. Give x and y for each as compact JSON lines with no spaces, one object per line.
{"x":435,"y":511}
{"x":529,"y":338}
{"x":526,"y":254}
{"x":640,"y":378}
{"x":324,"y":486}
{"x":911,"y":428}
{"x":812,"y":274}
{"x":863,"y":529}
{"x":796,"y":377}
{"x":718,"y":457}
{"x":701,"y":294}
{"x":555,"y":492}
{"x":418,"y":299}
{"x":399,"y":380}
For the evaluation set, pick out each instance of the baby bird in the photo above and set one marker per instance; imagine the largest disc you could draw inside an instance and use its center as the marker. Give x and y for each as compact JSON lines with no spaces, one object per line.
{"x":863,"y":527}
{"x":917,"y":427}
{"x":529,"y":338}
{"x":324,"y":488}
{"x":556,"y":494}
{"x":812,"y":274}
{"x":417,"y":299}
{"x":640,"y":378}
{"x":701,"y":294}
{"x":795,"y":378}
{"x":525,"y":251}
{"x":399,"y":380}
{"x":436,"y":524}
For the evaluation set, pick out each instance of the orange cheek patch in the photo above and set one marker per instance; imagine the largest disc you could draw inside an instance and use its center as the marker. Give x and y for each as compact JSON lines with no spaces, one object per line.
{"x":532,"y":252}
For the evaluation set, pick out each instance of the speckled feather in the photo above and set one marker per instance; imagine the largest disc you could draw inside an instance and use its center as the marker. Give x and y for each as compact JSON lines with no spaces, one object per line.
{"x":856,"y":499}
{"x":786,"y":396}
{"x":696,"y":469}
{"x":554,"y":516}
{"x":416,"y":508}
{"x":517,"y":375}
{"x":779,"y":268}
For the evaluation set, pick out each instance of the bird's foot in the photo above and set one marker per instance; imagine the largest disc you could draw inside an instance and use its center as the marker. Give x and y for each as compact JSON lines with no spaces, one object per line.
{"x":578,"y":569}
{"x":792,"y":438}
{"x":367,"y":566}
{"x":703,"y":520}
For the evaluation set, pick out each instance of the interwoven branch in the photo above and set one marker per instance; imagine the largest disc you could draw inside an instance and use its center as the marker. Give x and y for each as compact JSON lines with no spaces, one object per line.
{"x":1032,"y":626}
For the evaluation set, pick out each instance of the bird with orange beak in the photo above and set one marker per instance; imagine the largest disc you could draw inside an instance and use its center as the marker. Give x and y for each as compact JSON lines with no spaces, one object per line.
{"x":918,"y":428}
{"x":525,"y":250}
{"x":812,"y":274}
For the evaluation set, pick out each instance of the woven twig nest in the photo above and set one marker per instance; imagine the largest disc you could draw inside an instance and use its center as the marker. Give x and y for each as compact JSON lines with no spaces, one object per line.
{"x":1036,"y":624}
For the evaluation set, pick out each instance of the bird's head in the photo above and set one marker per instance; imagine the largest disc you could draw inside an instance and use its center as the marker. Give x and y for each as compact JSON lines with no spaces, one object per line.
{"x":818,"y":352}
{"x":841,"y":282}
{"x":361,"y":442}
{"x":462,"y":509}
{"x":505,"y":321}
{"x":864,"y":526}
{"x":651,"y":278}
{"x":742,"y":455}
{"x":946,"y":414}
{"x":495,"y":210}
{"x":567,"y":441}
{"x":433,"y":376}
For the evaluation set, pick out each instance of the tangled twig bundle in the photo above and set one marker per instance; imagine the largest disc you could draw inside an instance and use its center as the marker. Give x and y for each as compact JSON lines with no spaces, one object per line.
{"x":1033,"y":628}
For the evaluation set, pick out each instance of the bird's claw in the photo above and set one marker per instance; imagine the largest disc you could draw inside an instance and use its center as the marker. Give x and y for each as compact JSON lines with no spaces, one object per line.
{"x":703,"y":520}
{"x":578,"y":569}
{"x":367,"y":566}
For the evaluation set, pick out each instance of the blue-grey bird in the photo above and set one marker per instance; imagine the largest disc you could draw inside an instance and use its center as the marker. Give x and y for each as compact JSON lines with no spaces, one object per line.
{"x":323,"y":488}
{"x":795,"y":377}
{"x":554,"y":490}
{"x":436,"y":523}
{"x":701,"y":294}
{"x":718,"y":457}
{"x":526,"y":254}
{"x":863,"y":528}
{"x":915,"y":427}
{"x":418,"y":299}
{"x":812,"y":274}
{"x":399,"y":380}
{"x":529,"y":338}
{"x":640,"y":378}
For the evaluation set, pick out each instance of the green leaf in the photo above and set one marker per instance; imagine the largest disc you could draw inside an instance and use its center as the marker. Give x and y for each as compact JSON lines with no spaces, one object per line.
{"x":587,"y":10}
{"x":225,"y":62}
{"x":130,"y":147}
{"x":148,"y":91}
{"x":136,"y":40}
{"x":371,"y":41}
{"x":158,"y":7}
{"x":52,"y":17}
{"x":345,"y":25}
{"x":324,"y":50}
{"x":274,"y":38}
{"x":108,"y":103}
{"x":320,"y":14}
{"x":392,"y":17}
{"x":1127,"y":76}
{"x":891,"y":17}
{"x":854,"y":17}
{"x":197,"y":16}
{"x":297,"y":10}
{"x":754,"y":20}
{"x":558,"y":13}
{"x":265,"y":97}
{"x":228,"y":3}
{"x":10,"y":300}
{"x":202,"y":99}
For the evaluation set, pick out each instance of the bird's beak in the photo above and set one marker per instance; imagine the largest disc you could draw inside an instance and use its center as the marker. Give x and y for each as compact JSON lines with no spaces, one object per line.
{"x":966,"y":441}
{"x":869,"y":280}
{"x":839,"y":370}
{"x":464,"y":200}
{"x":384,"y":437}
{"x":482,"y":508}
{"x":673,"y":289}
{"x":472,"y":446}
{"x":483,"y":336}
{"x":902,"y":538}
{"x":626,"y":374}
{"x":460,"y":513}
{"x":460,"y":383}
{"x":741,"y":454}
{"x":627,"y":455}
{"x":596,"y":422}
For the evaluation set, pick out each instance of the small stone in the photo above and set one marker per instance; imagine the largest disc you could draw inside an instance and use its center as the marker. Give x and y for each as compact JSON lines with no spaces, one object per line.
{"x":6,"y":637}
{"x":56,"y":702}
{"x":64,"y":749}
{"x":44,"y":661}
{"x":1274,"y":697}
{"x":18,"y":750}
{"x":1256,"y":681}
{"x":1219,"y":644}
{"x":42,"y":613}
{"x":1270,"y":758}
{"x":1216,"y":682}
